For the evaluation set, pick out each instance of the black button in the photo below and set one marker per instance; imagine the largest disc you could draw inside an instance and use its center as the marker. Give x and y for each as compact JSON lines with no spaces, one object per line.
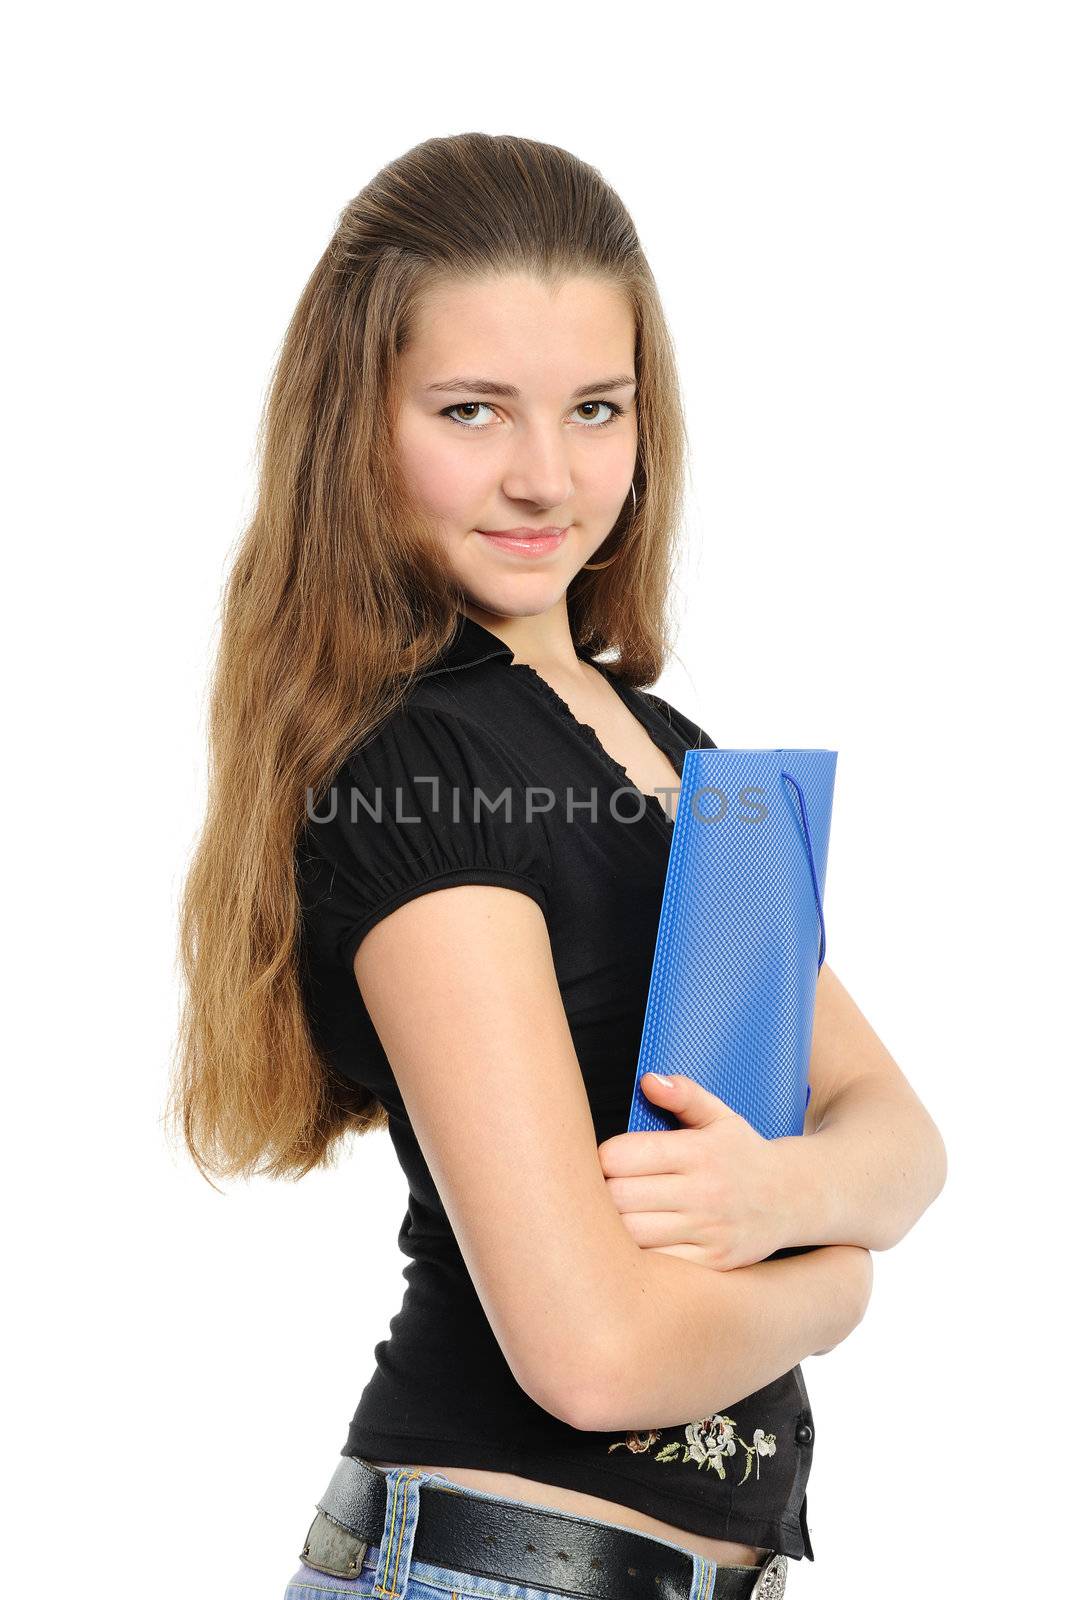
{"x":804,"y":1433}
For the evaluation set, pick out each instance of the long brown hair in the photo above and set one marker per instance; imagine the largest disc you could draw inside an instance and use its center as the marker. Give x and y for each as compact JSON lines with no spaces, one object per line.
{"x":339,"y":595}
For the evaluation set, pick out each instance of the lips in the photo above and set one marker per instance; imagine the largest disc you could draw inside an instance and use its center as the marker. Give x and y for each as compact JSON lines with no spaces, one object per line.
{"x":526,"y":541}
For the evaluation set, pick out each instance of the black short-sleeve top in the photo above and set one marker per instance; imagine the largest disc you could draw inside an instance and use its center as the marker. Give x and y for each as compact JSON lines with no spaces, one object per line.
{"x":485,"y":776}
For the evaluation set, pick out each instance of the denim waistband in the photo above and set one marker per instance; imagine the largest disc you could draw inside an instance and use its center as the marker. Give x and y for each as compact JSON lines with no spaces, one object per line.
{"x":363,"y":1541}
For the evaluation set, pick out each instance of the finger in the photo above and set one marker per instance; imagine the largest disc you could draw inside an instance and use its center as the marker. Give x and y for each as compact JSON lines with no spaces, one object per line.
{"x":687,"y":1100}
{"x":631,"y":1154}
{"x":689,"y":1252}
{"x":660,"y":1192}
{"x":653,"y":1229}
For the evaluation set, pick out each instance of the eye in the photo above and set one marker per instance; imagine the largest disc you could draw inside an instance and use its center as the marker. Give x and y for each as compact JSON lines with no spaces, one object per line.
{"x":481,"y":405}
{"x":615,"y":411}
{"x":465,"y":405}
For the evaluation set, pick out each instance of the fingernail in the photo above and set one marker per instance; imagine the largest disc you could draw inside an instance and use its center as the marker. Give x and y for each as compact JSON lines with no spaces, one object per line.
{"x":667,"y":1083}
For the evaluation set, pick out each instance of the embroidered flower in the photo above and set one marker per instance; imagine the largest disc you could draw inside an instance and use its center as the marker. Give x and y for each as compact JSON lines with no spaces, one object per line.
{"x":638,"y":1442}
{"x":707,"y":1443}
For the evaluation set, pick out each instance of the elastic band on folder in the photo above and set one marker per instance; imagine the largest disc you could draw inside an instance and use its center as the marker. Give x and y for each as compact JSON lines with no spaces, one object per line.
{"x":813,"y":869}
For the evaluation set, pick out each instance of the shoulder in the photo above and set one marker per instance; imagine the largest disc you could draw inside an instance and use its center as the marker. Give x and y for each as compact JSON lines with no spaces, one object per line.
{"x":425,"y":737}
{"x":427,"y":800}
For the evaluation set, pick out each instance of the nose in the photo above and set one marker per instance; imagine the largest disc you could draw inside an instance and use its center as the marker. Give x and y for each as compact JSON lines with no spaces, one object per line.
{"x":538,"y":469}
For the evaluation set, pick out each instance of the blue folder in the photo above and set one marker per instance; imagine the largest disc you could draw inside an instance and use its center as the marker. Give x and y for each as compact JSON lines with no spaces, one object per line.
{"x":741,"y":935}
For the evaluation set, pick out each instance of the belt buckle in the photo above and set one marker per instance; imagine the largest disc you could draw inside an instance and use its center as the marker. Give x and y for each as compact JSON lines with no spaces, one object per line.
{"x":330,"y":1547}
{"x":772,"y":1576}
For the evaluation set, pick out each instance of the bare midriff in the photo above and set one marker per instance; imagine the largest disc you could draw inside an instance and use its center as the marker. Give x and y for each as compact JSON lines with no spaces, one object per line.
{"x":723,"y":1551}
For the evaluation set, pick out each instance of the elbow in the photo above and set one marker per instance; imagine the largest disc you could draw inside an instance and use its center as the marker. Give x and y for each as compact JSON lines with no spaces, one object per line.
{"x":614,"y":1392}
{"x":587,"y":1389}
{"x":929,"y":1186}
{"x":937,"y":1163}
{"x":589,"y":1372}
{"x":943,"y":1162}
{"x":603,"y":1401}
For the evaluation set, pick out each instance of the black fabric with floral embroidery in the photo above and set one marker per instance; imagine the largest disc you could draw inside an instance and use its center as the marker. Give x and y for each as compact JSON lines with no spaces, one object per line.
{"x":441,"y":1392}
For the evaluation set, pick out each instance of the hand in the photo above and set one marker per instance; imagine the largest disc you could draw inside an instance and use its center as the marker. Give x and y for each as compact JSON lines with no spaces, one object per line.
{"x":708,"y":1191}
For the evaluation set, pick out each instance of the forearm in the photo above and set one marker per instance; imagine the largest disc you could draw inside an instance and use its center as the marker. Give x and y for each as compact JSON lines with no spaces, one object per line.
{"x":875,"y":1163}
{"x":691,"y":1341}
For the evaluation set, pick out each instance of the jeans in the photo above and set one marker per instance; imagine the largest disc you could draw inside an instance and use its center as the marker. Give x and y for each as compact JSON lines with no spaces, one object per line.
{"x":400,"y":1577}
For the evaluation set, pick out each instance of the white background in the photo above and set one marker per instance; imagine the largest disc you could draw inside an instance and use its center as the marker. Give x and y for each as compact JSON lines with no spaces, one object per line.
{"x":854,"y":213}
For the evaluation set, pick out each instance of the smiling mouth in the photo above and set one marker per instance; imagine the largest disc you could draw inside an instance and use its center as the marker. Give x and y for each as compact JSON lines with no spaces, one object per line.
{"x":525,"y":543}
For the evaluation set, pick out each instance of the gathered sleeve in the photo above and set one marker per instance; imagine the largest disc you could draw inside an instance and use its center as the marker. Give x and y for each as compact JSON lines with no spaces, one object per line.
{"x":430,"y":800}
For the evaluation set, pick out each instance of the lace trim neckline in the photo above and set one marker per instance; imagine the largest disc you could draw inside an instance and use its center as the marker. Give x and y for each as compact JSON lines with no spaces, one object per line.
{"x":653,"y":806}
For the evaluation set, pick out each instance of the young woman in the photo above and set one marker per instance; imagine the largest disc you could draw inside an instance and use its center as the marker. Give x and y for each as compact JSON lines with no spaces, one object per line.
{"x":426,"y":898}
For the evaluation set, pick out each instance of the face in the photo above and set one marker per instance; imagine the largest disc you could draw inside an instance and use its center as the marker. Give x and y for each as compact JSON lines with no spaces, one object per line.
{"x":557,"y":449}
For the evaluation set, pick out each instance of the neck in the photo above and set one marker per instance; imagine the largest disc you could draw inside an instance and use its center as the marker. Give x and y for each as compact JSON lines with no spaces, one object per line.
{"x":543,"y":641}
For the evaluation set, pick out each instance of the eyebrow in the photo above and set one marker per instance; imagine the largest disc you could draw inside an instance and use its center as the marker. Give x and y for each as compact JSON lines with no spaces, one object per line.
{"x":507,"y":391}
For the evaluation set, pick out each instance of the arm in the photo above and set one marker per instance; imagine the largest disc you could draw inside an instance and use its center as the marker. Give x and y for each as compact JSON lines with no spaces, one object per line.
{"x":461,"y":987}
{"x":876,"y":1160}
{"x":715,"y":1192}
{"x":692,"y":1341}
{"x":873,"y":1167}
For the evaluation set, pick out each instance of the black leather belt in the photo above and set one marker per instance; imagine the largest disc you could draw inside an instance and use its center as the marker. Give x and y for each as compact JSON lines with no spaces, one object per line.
{"x":515,"y":1543}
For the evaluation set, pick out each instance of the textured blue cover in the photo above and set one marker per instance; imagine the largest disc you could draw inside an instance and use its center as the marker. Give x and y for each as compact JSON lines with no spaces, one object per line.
{"x":741,"y":935}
